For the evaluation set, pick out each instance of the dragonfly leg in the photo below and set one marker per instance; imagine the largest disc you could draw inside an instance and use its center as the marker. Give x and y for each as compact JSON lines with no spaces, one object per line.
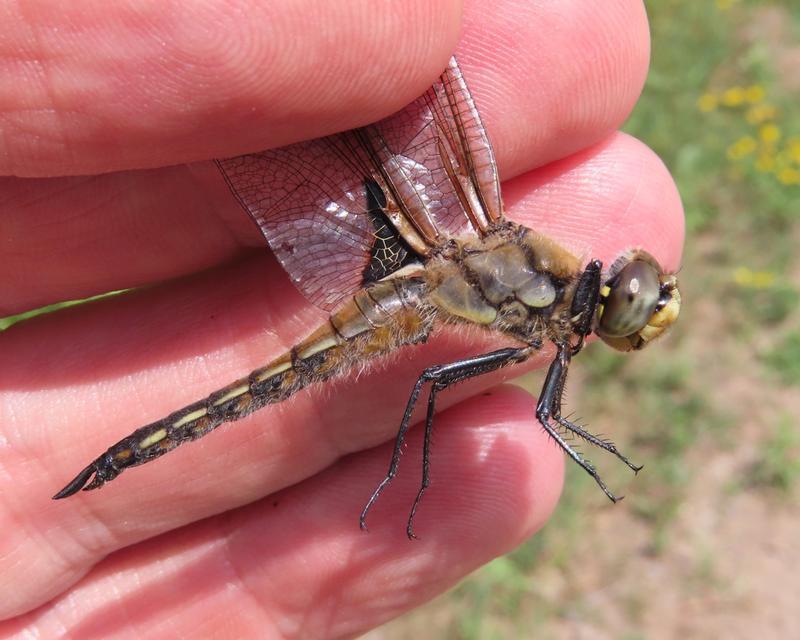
{"x":549,"y":408}
{"x":441,"y":377}
{"x":584,"y":303}
{"x":606,"y":445}
{"x":398,"y":448}
{"x":426,"y":456}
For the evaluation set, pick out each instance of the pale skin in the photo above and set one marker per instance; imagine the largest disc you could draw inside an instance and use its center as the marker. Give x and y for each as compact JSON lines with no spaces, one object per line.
{"x":253,"y":531}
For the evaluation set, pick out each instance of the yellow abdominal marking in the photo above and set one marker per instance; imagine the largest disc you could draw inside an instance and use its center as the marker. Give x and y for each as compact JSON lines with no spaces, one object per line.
{"x":273,"y":371}
{"x":190,"y":417}
{"x":233,"y":393}
{"x":153,"y":438}
{"x":315,"y":347}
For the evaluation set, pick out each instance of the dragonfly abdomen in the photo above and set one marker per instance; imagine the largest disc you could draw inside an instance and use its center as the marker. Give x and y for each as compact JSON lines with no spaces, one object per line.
{"x":375,"y":321}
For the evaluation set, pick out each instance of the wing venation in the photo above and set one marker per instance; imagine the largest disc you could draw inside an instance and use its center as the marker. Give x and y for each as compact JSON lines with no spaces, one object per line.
{"x":432,"y":161}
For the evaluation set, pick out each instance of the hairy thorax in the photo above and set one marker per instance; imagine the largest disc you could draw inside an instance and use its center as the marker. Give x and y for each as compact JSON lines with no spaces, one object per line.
{"x":513,"y":280}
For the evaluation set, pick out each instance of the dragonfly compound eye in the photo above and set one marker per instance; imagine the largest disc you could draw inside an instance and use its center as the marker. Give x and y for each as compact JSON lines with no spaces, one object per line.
{"x":629,"y":300}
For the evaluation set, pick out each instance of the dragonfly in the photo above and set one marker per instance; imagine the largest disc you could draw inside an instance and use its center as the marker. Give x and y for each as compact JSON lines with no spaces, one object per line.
{"x":396,"y":229}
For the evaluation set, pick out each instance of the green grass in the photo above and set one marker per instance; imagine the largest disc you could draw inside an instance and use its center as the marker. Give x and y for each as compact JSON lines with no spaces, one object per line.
{"x":8,"y":321}
{"x":758,"y":307}
{"x":778,"y":463}
{"x":710,"y":89}
{"x":784,"y":358}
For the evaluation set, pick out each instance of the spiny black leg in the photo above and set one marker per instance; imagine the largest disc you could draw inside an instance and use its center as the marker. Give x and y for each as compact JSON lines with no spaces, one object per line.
{"x":598,"y":442}
{"x":442,"y":376}
{"x":549,"y":406}
{"x":426,"y":456}
{"x":555,"y":408}
{"x":584,"y":464}
{"x":584,"y":302}
{"x":398,"y":449}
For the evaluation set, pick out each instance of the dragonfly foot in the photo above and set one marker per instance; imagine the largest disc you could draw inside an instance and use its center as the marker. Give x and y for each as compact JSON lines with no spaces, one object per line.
{"x":362,"y":521}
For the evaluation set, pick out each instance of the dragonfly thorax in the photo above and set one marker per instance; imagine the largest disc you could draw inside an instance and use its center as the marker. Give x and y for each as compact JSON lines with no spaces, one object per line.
{"x":512,"y":281}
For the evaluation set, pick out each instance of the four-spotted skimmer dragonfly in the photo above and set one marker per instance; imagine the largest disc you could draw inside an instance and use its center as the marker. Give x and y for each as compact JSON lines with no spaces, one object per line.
{"x":397,"y":228}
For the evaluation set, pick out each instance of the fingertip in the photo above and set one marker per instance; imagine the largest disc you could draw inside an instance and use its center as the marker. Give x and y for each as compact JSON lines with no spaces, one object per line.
{"x":552,"y":78}
{"x":603,"y":200}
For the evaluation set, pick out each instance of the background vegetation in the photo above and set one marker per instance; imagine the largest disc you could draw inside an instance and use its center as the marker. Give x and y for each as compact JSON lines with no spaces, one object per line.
{"x":706,"y":542}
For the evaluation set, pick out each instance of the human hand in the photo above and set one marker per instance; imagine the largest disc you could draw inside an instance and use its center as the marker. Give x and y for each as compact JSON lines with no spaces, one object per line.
{"x":261,"y":518}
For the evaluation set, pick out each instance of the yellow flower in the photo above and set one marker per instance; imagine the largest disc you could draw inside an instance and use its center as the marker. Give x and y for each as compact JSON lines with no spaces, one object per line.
{"x":742,"y":147}
{"x":742,"y":276}
{"x":788,"y":175}
{"x":763,"y":279}
{"x":769,"y":132}
{"x":793,"y":149}
{"x":760,"y":112}
{"x":707,"y":102}
{"x":745,"y":277}
{"x":733,"y":97}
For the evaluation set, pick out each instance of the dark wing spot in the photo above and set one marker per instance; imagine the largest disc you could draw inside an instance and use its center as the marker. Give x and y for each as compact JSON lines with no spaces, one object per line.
{"x":389,"y":251}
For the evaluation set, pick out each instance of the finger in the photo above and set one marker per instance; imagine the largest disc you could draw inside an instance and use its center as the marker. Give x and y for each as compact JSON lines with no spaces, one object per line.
{"x":73,"y":237}
{"x":135,"y":84}
{"x":597,"y":203}
{"x":226,"y":82}
{"x":79,"y":380}
{"x":551,"y":78}
{"x":300,"y":557}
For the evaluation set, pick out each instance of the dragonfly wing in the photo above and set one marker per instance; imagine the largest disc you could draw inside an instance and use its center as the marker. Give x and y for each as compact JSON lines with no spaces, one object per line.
{"x":428,"y":168}
{"x":312,"y":209}
{"x":440,"y":146}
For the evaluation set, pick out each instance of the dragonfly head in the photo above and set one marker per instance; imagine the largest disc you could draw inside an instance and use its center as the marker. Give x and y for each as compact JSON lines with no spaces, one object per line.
{"x":638,"y":302}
